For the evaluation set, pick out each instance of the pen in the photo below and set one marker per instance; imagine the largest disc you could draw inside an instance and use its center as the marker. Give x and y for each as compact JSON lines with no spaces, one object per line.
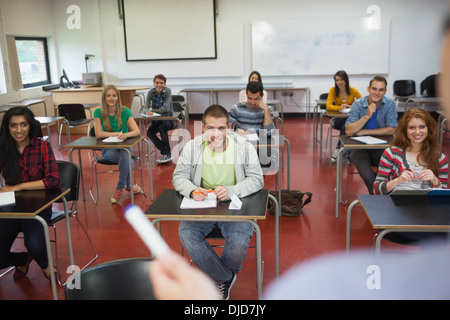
{"x":209,"y":191}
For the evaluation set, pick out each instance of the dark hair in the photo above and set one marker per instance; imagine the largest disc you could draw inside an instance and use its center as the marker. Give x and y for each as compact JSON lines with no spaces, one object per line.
{"x":215,"y":111}
{"x":343,"y":75}
{"x":379,"y":79}
{"x":9,"y":157}
{"x":255,"y":87}
{"x":429,"y":148}
{"x":160,"y":76}
{"x":257,"y":73}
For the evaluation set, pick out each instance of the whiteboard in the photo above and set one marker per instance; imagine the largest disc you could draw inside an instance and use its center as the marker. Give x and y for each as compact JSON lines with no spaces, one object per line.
{"x":169,"y":29}
{"x":320,"y":47}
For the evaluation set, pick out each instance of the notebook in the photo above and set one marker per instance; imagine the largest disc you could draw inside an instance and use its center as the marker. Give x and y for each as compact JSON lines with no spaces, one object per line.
{"x":7,"y":198}
{"x":209,"y":202}
{"x":369,"y":140}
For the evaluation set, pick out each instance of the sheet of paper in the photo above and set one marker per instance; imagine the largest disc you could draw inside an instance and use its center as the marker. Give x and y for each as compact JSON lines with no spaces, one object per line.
{"x":236,"y":203}
{"x":209,"y":202}
{"x":346,"y":110}
{"x":112,"y":139}
{"x":369,"y":140}
{"x":151,"y":115}
{"x":7,"y":198}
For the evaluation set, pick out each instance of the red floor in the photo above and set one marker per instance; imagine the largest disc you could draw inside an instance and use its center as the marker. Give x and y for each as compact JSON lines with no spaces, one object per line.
{"x":316,"y":232}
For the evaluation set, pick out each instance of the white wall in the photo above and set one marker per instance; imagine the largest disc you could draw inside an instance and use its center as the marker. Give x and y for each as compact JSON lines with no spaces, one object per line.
{"x":414,"y":39}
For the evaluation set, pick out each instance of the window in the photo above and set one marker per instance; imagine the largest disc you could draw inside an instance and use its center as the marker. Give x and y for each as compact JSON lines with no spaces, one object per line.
{"x":32,"y":54}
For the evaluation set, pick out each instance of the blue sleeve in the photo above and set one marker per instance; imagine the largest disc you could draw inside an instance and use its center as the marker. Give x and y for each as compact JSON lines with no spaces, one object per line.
{"x":391,"y":115}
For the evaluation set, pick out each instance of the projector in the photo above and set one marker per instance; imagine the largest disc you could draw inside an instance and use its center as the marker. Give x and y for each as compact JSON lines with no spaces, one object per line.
{"x":92,"y":78}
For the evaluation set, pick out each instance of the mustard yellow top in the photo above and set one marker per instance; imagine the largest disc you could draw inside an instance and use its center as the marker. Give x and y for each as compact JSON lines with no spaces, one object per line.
{"x":334,"y":103}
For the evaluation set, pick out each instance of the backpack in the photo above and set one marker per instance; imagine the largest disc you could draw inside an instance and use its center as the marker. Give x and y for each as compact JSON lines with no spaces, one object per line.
{"x":291,"y":202}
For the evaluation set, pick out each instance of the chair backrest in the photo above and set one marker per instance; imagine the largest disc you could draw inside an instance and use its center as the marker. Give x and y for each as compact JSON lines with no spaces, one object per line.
{"x":323,"y":96}
{"x":126,"y":279}
{"x":72,"y":111}
{"x":177,"y":107}
{"x":177,"y":98}
{"x":70,"y":178}
{"x":404,"y":88}
{"x":428,"y":86}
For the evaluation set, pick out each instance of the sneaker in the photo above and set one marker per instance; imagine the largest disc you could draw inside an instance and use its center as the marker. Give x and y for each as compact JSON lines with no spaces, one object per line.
{"x":116,"y":196}
{"x":164,"y":159}
{"x":335,"y":155}
{"x":136,"y":189}
{"x":225,"y":287}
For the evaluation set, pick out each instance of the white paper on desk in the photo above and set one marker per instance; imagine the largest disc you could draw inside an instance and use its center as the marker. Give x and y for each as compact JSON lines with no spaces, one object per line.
{"x":369,"y":140}
{"x":112,"y":139}
{"x":7,"y":198}
{"x":150,"y":115}
{"x":209,"y":202}
{"x":346,"y":110}
{"x":236,"y":203}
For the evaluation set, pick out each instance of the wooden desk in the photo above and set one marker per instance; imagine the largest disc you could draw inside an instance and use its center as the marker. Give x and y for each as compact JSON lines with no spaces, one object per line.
{"x":92,"y":95}
{"x":348,"y":143}
{"x":94,"y":143}
{"x":167,"y":208}
{"x":402,"y":213}
{"x":28,"y":205}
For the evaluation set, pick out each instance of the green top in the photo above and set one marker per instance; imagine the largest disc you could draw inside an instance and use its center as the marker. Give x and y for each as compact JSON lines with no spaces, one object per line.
{"x":126,"y":114}
{"x":218,"y":167}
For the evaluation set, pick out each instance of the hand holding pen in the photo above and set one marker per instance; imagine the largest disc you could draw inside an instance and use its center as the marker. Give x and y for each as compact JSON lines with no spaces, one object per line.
{"x":200,"y":194}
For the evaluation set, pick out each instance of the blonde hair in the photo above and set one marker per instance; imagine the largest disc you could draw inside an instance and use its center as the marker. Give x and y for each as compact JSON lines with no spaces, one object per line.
{"x":117,"y":110}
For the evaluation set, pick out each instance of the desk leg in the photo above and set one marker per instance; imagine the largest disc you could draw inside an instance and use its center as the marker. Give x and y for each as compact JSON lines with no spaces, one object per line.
{"x":150,"y":174}
{"x":130,"y":167}
{"x":338,"y":180}
{"x":349,"y":225}
{"x":277,"y":227}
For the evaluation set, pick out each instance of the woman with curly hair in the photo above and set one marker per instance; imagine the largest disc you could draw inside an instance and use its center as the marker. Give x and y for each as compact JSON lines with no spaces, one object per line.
{"x":414,"y":160}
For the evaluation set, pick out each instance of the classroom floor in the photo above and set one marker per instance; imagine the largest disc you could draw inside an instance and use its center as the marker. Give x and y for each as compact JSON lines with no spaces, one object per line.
{"x":316,"y":232}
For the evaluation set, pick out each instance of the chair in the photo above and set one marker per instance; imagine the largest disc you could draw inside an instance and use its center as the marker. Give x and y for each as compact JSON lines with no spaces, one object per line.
{"x":98,"y":159}
{"x":70,"y":178}
{"x":126,"y":279}
{"x":179,"y":106}
{"x":428,"y":86}
{"x":75,"y":115}
{"x":404,"y":89}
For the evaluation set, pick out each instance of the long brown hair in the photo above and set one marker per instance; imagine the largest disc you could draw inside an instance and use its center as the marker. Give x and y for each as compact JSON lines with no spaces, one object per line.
{"x":429,"y":148}
{"x":104,"y":108}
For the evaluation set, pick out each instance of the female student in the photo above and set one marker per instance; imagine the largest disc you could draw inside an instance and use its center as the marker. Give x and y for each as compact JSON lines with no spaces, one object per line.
{"x":26,"y":163}
{"x":112,"y":119}
{"x":340,"y":97}
{"x":413,"y":161}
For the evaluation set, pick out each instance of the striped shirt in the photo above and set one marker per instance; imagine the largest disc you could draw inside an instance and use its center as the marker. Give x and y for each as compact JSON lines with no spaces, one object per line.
{"x":393,"y":163}
{"x":243,"y":117}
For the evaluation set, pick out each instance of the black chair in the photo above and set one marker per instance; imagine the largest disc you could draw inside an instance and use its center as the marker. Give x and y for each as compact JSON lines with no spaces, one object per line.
{"x":179,"y":105}
{"x":70,"y":178}
{"x":428,"y":86}
{"x":403,"y":90}
{"x":75,"y":115}
{"x":98,"y":159}
{"x":126,"y":279}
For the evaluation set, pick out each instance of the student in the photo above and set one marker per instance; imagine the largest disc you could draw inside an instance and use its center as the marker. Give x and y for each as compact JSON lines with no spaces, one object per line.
{"x":26,"y":163}
{"x":340,"y":97}
{"x":253,"y":114}
{"x":254,"y":76}
{"x":159,"y":99}
{"x":373,"y":115}
{"x":115,"y":120}
{"x":413,"y":161}
{"x":225,"y":162}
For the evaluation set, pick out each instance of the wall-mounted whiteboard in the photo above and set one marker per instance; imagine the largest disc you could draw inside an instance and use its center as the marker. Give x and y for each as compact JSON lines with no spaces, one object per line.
{"x":169,"y":29}
{"x":320,"y":47}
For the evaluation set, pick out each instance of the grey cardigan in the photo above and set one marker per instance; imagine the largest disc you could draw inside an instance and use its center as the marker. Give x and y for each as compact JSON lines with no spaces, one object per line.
{"x":188,"y":172}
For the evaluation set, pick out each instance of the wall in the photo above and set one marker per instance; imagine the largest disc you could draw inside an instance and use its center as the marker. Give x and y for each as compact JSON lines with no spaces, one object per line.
{"x":413,"y":50}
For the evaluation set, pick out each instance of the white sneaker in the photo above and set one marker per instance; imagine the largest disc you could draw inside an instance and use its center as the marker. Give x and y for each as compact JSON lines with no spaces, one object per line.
{"x":335,"y":155}
{"x":164,"y":159}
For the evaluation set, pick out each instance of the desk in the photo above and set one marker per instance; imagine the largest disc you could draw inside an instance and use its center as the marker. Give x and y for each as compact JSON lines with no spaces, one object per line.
{"x":423,"y":100}
{"x":91,"y":95}
{"x":48,"y":121}
{"x":94,"y":143}
{"x":319,"y":103}
{"x":27,"y":103}
{"x":402,"y":213}
{"x":348,"y":143}
{"x":28,"y":205}
{"x":213,"y":92}
{"x":167,"y":208}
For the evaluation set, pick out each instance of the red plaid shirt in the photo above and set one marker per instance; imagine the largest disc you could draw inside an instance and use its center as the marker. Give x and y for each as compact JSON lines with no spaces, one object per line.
{"x":38,"y":163}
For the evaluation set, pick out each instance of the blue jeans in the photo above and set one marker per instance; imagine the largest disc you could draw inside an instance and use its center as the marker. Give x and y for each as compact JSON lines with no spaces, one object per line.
{"x":237,"y":239}
{"x":120,"y":157}
{"x":364,"y":159}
